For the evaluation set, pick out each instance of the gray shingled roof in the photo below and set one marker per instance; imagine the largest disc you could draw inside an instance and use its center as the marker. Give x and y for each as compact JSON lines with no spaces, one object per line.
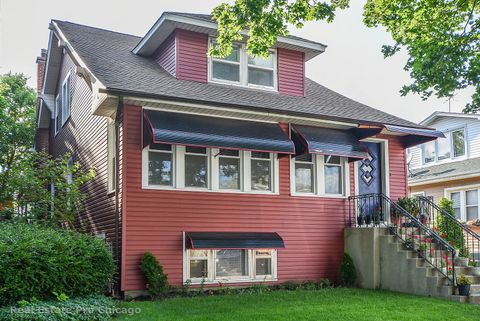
{"x":108,"y":55}
{"x":447,"y":170}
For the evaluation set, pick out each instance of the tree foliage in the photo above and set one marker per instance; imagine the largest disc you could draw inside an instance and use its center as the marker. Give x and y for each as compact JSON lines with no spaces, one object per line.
{"x":441,"y":37}
{"x":25,"y":175}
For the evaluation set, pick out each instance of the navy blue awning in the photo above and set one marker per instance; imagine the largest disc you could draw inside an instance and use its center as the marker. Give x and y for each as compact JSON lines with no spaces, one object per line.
{"x":214,"y":132}
{"x":328,"y":141}
{"x":233,"y":240}
{"x":414,"y":136}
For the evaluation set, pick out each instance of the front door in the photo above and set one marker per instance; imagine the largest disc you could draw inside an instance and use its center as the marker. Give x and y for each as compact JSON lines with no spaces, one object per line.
{"x":370,"y":170}
{"x":370,"y":182}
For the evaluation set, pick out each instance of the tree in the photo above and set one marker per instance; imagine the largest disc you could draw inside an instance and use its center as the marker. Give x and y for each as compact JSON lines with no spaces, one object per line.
{"x":17,"y":128}
{"x":25,"y":175}
{"x":441,"y":37}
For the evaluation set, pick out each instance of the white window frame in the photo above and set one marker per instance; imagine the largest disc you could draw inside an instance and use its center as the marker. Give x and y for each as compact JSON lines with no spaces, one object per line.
{"x":463,"y":198}
{"x":211,"y":266}
{"x":69,"y":175}
{"x":66,"y":98}
{"x":179,"y":153}
{"x":319,"y":177}
{"x":56,"y":112}
{"x":111,"y":157}
{"x":452,"y":154}
{"x":243,"y":69}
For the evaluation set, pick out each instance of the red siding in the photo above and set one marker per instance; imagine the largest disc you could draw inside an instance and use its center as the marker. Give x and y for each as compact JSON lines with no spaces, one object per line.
{"x":153,"y":220}
{"x":192,"y":61}
{"x":165,"y":55}
{"x":291,"y":72}
{"x":398,"y":169}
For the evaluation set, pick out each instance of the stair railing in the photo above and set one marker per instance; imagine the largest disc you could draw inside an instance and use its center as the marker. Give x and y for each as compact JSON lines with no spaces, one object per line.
{"x":458,"y":234}
{"x":371,"y":210}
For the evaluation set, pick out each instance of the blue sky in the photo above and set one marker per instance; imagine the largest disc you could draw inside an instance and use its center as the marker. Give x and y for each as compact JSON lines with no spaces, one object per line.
{"x":352,"y":64}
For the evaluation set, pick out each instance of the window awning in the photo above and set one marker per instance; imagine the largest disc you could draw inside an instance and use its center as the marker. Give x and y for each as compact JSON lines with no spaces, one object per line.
{"x":204,"y":131}
{"x":415,"y":136}
{"x":233,"y":240}
{"x":329,"y":141}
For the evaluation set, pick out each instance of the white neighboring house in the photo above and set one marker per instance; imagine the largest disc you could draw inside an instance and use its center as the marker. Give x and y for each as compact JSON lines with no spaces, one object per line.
{"x":449,"y":167}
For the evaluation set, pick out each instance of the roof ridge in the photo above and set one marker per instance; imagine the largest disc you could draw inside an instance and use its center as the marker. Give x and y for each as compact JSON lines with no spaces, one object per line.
{"x":96,"y":28}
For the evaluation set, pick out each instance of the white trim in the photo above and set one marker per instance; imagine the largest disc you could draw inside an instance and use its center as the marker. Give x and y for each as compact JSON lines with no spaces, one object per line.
{"x":178,"y":175}
{"x":57,"y":97}
{"x":66,"y":92}
{"x":439,"y":114}
{"x":385,"y":166}
{"x":319,"y":179}
{"x":452,"y":157}
{"x":421,"y":193}
{"x":211,"y":267}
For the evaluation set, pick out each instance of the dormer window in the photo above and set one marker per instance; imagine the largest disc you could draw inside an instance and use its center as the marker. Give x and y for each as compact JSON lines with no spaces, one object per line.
{"x":241,"y":69}
{"x":450,"y":147}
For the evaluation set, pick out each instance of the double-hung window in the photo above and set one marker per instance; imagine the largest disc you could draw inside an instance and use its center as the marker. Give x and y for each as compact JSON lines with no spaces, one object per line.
{"x":160,"y":165}
{"x":58,"y":113}
{"x":230,"y":265}
{"x":200,"y":169}
{"x":240,"y":68}
{"x":450,"y":147}
{"x":319,"y":175}
{"x":465,"y":203}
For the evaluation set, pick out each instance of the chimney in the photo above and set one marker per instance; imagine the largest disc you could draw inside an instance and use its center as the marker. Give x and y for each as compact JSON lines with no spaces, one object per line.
{"x":41,"y":63}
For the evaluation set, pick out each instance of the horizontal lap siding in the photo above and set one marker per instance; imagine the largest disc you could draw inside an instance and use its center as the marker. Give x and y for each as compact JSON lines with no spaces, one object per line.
{"x":312,"y":228}
{"x":398,"y":168}
{"x":191,"y":53}
{"x":165,"y":55}
{"x":85,"y":137}
{"x":291,"y":72}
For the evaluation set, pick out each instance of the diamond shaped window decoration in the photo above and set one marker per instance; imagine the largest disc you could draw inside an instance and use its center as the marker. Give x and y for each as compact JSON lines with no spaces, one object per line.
{"x":368,"y":169}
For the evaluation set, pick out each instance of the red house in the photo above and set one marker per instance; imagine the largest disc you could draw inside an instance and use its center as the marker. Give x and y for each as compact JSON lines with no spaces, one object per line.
{"x":230,"y":170}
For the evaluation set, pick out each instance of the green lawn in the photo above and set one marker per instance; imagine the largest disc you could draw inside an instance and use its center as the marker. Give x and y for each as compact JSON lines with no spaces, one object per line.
{"x":328,"y":304}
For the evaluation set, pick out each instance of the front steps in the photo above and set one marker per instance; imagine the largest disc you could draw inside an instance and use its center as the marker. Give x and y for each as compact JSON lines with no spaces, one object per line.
{"x":402,"y":270}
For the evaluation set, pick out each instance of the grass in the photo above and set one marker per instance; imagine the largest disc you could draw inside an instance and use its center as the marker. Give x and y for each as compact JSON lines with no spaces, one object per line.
{"x":327,"y":304}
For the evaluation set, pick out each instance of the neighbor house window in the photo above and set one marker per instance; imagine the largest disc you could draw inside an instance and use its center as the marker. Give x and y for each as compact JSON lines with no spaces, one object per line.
{"x":69,"y":176}
{"x":458,"y":142}
{"x":160,"y":165}
{"x":319,"y":174}
{"x":66,"y":99}
{"x":111,"y":156}
{"x":230,"y":265}
{"x":465,"y":203}
{"x":452,"y":146}
{"x":201,"y":168}
{"x":240,"y":68}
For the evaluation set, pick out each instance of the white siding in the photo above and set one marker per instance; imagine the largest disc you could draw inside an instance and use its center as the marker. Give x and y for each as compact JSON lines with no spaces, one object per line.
{"x":472,"y":132}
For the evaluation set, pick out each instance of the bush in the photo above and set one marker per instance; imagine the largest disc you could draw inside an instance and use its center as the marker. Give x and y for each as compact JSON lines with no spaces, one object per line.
{"x":348,"y":274}
{"x":85,"y":309}
{"x":449,"y":230}
{"x":36,"y":262}
{"x":155,"y":278}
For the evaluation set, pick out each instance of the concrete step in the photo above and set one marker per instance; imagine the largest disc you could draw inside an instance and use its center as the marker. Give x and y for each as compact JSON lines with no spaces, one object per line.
{"x":472,"y":299}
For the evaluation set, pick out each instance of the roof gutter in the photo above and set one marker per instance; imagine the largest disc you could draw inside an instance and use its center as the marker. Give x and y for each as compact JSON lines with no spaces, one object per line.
{"x":429,"y":181}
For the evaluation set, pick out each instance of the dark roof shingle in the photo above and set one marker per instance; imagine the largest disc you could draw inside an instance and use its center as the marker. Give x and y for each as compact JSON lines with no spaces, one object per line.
{"x":108,"y":55}
{"x":443,"y":171}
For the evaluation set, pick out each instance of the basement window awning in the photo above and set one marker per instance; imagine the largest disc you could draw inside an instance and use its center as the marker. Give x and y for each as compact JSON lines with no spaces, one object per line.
{"x":328,"y":141}
{"x":414,"y":136}
{"x":233,"y":240}
{"x":204,"y":131}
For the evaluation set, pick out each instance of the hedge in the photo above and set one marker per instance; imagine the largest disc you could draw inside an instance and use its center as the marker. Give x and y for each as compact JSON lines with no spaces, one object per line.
{"x":36,"y":262}
{"x":96,"y":308}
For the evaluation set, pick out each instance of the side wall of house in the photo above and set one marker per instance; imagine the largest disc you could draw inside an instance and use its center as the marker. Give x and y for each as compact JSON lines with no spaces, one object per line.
{"x":85,"y":137}
{"x":312,"y":227}
{"x":437,"y":190}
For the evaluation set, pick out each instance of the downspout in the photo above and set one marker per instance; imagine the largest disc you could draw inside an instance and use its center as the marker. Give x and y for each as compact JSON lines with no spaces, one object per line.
{"x":118,"y":119}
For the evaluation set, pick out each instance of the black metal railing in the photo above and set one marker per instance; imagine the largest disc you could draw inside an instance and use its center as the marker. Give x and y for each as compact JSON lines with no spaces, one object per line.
{"x":456,"y":233}
{"x":370,"y":210}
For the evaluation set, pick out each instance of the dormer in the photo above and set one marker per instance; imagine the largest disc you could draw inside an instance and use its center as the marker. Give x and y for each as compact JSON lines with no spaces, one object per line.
{"x":179,"y":43}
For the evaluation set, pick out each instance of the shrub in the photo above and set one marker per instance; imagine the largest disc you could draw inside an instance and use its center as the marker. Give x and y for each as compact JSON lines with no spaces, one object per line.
{"x":348,"y":274}
{"x":36,"y":262}
{"x":96,"y":308}
{"x":449,"y":230}
{"x":155,"y":278}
